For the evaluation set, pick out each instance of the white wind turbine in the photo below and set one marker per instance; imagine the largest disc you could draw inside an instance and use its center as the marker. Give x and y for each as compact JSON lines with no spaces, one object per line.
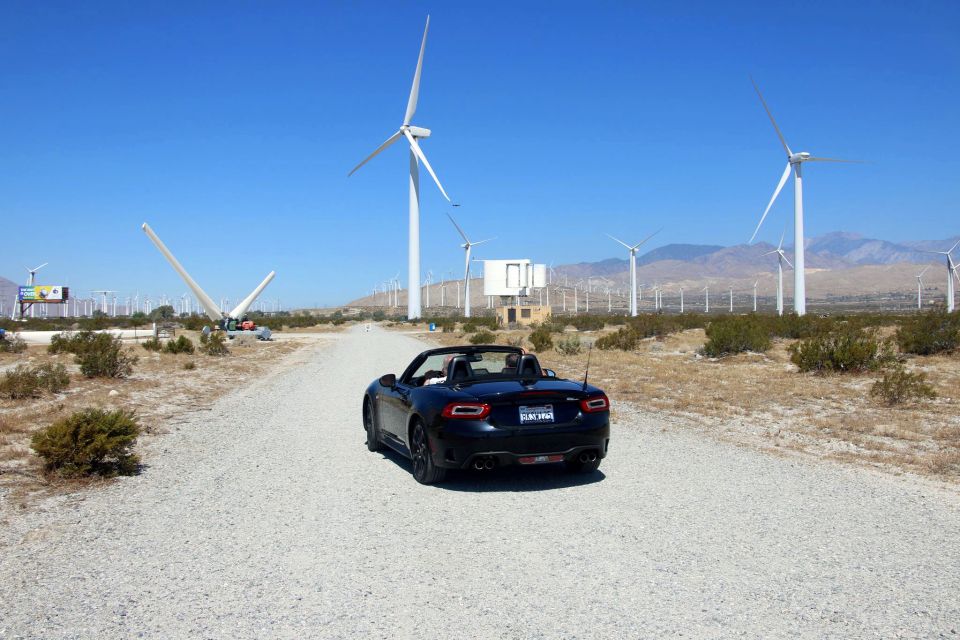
{"x":920,"y":286}
{"x":951,"y":273}
{"x":781,"y":258}
{"x":209,"y":306}
{"x":412,"y":134}
{"x":633,"y":267}
{"x":467,"y":246}
{"x":33,"y":278}
{"x":794,"y":162}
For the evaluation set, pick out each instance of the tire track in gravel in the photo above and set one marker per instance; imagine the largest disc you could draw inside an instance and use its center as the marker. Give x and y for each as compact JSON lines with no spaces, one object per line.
{"x":267,"y":517}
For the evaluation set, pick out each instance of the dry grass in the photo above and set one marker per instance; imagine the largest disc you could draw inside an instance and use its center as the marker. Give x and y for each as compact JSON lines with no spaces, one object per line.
{"x":761,"y":400}
{"x":159,"y":390}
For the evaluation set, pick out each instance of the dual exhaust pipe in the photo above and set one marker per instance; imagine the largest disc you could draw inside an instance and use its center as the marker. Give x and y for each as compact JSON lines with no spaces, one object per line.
{"x":588,"y":456}
{"x":484,"y":464}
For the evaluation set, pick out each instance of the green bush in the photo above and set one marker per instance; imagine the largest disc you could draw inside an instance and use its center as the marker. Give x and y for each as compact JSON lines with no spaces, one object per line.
{"x":735,"y":334}
{"x":215,"y":345}
{"x":483,"y":337}
{"x":14,"y":344}
{"x":541,"y":340}
{"x":189,"y":365}
{"x":898,"y":386}
{"x":625,"y":338}
{"x":587,"y":323}
{"x":848,"y":350}
{"x":152,"y":344}
{"x":103,"y":357}
{"x":89,"y":442}
{"x":28,"y":382}
{"x":929,"y":333}
{"x":569,"y":346}
{"x":182,"y":344}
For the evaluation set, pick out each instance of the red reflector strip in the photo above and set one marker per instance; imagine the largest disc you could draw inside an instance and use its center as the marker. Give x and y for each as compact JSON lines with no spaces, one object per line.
{"x":466,"y":410}
{"x":540,"y":459}
{"x":595,"y":404}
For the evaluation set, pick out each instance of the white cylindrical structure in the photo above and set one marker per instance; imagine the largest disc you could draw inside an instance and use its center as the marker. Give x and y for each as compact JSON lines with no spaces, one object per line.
{"x":799,"y":281}
{"x":413,"y":245}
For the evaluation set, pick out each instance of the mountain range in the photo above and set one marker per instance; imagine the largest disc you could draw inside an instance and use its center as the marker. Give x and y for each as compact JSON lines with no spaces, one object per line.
{"x":833,"y":251}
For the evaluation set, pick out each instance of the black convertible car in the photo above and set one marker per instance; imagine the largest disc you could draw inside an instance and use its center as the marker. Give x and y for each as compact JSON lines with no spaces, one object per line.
{"x":480,"y":407}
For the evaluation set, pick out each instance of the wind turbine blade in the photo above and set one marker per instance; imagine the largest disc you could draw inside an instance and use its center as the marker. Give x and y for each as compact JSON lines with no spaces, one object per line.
{"x":46,"y":263}
{"x":620,"y":241}
{"x":213,"y":311}
{"x":415,"y":89}
{"x":783,"y":140}
{"x":782,"y":236}
{"x":386,"y":144}
{"x":423,"y":159}
{"x":924,"y":270}
{"x":950,"y":250}
{"x":639,"y":244}
{"x":813,"y":159}
{"x":241,"y":308}
{"x":482,"y":241}
{"x":462,"y":234}
{"x":783,"y":181}
{"x":770,"y":253}
{"x":785,"y":259}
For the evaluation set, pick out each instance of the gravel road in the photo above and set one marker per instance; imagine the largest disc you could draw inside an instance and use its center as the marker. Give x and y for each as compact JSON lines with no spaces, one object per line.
{"x":266,"y":517}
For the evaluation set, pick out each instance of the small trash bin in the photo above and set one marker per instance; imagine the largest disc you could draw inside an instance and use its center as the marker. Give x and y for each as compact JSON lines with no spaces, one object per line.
{"x":433,"y":326}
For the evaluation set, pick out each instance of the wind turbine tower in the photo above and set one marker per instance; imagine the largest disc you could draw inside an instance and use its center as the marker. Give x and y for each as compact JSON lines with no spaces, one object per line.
{"x":781,"y":258}
{"x":794,"y":163}
{"x":951,"y":273}
{"x":633,"y":268}
{"x":412,"y":134}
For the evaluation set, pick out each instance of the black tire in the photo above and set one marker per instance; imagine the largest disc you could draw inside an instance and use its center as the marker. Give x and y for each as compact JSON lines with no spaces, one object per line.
{"x":575,"y":466}
{"x":424,"y":471}
{"x":370,"y":426}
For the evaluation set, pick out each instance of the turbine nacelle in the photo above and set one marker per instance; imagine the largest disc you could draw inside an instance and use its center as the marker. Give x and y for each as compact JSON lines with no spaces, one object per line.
{"x":797,"y":158}
{"x":419,"y":132}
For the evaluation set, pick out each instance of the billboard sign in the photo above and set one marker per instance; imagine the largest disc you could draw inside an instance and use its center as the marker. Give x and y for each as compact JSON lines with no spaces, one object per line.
{"x":43,"y":293}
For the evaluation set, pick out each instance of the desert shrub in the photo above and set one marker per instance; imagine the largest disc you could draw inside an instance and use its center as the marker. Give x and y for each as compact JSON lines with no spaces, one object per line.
{"x":483,"y":337}
{"x":569,"y":346}
{"x":204,"y":338}
{"x":796,"y":327}
{"x":899,"y":385}
{"x":541,"y":339}
{"x":848,"y":350}
{"x":52,"y":377}
{"x":736,"y":334}
{"x":515,"y":341}
{"x":625,"y":338}
{"x":469,"y":327}
{"x":103,"y":356}
{"x":190,"y":365}
{"x":20,"y":382}
{"x":587,"y":323}
{"x":28,"y":382}
{"x":928,"y":333}
{"x":88,"y":442}
{"x":216,"y":345}
{"x":152,"y":344}
{"x":182,"y":344}
{"x":14,"y":344}
{"x":551,"y":326}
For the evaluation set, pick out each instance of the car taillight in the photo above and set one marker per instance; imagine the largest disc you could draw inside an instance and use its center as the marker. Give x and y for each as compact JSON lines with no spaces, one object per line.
{"x":466,"y":410}
{"x":595,"y":404}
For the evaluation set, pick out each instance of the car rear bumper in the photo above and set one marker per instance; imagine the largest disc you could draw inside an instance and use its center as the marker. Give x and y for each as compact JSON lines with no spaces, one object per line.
{"x":459,"y":451}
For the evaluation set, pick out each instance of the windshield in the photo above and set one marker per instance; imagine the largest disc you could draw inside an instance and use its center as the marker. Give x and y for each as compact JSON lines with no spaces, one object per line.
{"x":480,"y":364}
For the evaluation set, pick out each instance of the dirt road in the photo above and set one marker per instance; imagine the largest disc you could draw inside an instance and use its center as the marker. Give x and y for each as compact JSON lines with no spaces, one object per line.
{"x":266,"y":517}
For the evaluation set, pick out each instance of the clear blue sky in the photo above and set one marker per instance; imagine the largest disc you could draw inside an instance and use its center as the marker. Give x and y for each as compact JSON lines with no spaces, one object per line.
{"x":231,"y":127}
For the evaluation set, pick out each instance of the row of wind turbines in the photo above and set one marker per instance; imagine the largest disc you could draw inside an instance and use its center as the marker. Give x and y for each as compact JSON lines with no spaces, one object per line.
{"x":795,"y":161}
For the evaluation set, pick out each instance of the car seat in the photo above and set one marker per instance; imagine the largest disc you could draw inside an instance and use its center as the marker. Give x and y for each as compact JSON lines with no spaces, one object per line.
{"x":459,"y":369}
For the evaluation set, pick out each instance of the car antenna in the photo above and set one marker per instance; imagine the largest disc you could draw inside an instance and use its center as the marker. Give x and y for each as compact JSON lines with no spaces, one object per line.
{"x":586,"y":371}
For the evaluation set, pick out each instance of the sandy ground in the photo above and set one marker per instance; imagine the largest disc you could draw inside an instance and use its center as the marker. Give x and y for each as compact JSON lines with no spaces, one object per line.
{"x":267,"y":517}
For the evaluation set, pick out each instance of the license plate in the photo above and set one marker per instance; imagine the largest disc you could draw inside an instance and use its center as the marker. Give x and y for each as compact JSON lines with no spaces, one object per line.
{"x":536,"y":415}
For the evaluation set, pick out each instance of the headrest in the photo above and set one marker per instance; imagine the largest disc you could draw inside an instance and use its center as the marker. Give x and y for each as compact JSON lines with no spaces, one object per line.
{"x":458,"y":369}
{"x":530,"y":366}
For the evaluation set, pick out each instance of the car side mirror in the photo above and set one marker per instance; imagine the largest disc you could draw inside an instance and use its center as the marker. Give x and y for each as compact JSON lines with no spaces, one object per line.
{"x":550,"y":373}
{"x":388,"y":380}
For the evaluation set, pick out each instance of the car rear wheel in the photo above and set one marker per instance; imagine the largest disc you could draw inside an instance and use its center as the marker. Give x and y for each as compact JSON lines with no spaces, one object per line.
{"x":424,"y":471}
{"x":370,"y":426}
